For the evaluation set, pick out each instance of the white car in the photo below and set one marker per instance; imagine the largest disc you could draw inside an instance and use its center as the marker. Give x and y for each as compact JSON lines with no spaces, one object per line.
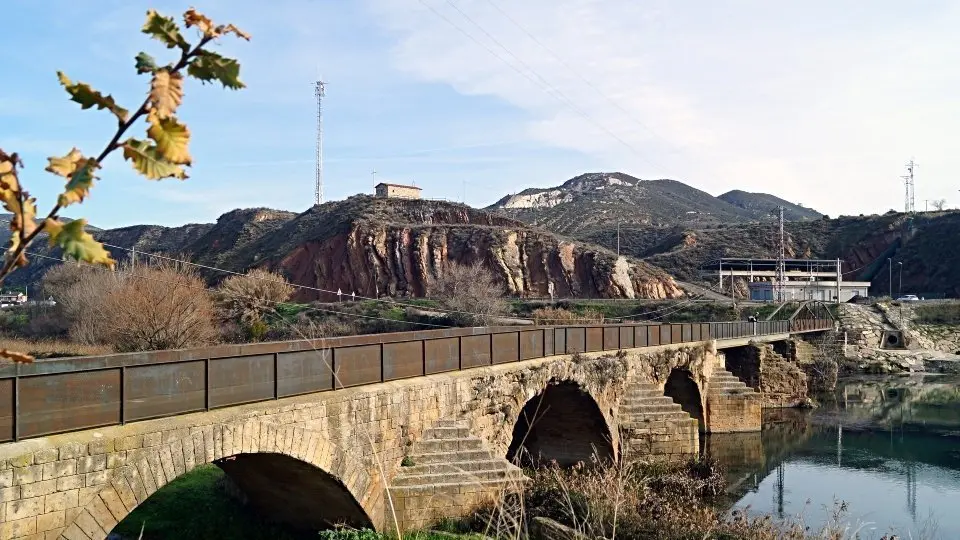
{"x":908,"y":298}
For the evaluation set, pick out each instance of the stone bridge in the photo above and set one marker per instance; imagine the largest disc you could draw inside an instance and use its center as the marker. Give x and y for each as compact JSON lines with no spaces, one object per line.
{"x":386,"y":431}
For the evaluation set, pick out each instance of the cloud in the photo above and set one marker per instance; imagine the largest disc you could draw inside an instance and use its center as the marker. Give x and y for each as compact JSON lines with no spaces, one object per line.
{"x":821,"y":103}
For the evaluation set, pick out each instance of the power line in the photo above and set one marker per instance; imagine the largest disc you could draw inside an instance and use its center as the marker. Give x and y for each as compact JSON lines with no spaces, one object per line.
{"x":572,"y":70}
{"x":549,"y":90}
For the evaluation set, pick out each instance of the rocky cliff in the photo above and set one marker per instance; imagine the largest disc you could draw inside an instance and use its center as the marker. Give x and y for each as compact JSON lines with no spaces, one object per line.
{"x":388,"y":246}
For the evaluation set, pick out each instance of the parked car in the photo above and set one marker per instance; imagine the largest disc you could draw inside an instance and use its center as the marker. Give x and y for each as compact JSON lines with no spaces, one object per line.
{"x":908,"y":298}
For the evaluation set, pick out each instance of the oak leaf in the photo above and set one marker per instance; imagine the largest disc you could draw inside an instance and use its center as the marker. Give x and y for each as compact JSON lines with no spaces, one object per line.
{"x":79,"y":184}
{"x":208,"y":66}
{"x":172,"y":139}
{"x":87,"y":97}
{"x":231,"y":29}
{"x":165,"y":30}
{"x":145,"y":63}
{"x":148,"y":161}
{"x":64,"y":166}
{"x":77,"y":242}
{"x":166,"y":92}
{"x":192,"y":18}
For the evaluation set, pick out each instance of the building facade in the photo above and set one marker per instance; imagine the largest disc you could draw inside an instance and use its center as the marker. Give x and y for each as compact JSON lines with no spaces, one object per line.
{"x":397,"y":191}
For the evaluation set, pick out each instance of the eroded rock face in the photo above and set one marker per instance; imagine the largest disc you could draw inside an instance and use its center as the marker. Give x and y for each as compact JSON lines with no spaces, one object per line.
{"x":782,"y":383}
{"x":398,"y":260}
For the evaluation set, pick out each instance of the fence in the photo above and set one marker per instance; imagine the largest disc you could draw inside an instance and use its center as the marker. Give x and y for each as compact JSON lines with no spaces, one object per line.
{"x":70,"y":394}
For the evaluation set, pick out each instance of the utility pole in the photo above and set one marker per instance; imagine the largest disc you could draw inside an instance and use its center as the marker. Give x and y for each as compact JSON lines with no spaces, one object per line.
{"x":319,"y":91}
{"x":900,"y":285}
{"x":374,"y":175}
{"x":618,"y":239}
{"x":781,"y":259}
{"x":890,"y":276}
{"x":908,"y":202}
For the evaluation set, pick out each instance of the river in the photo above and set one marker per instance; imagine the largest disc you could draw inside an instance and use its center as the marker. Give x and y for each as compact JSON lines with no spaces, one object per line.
{"x":884,"y":450}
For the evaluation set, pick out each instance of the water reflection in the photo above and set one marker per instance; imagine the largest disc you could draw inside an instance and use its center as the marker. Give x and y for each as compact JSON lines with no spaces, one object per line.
{"x":888,"y":447}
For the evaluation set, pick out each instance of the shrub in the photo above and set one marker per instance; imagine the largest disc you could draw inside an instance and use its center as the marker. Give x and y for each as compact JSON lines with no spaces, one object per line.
{"x":469,"y":292}
{"x":156,"y":308}
{"x":560,"y":316}
{"x":80,"y":293}
{"x":947,"y":313}
{"x":246,"y":299}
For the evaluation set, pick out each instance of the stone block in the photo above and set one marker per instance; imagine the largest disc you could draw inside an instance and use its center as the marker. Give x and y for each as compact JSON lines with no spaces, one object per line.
{"x":70,"y":482}
{"x":130,"y":443}
{"x":89,"y":525}
{"x":166,"y":464}
{"x":8,"y":494}
{"x":176,"y":454}
{"x":45,"y":456}
{"x":152,"y":439}
{"x":72,"y":450}
{"x":88,"y":464}
{"x":18,"y":528}
{"x":101,"y":446}
{"x":74,"y":532}
{"x":126,"y":494}
{"x":102,"y":515}
{"x":96,"y":478}
{"x":58,"y":469}
{"x":21,"y":461}
{"x":54,"y":534}
{"x":24,"y":508}
{"x":116,"y":459}
{"x":28,"y":474}
{"x":6,"y":478}
{"x":38,"y":489}
{"x":50,"y":521}
{"x":61,"y":500}
{"x":87,"y":494}
{"x":113,"y":503}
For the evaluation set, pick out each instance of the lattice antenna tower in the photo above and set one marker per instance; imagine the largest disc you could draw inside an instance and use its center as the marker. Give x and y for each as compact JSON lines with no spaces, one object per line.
{"x":909,"y":204}
{"x":320,"y":92}
{"x":781,"y":257}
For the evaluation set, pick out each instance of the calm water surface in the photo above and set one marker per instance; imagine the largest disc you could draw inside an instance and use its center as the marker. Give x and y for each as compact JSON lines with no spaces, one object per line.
{"x":887,"y":447}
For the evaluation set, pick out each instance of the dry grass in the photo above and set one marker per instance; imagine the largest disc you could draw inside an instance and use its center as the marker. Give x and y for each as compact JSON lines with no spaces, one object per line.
{"x":560,"y":316}
{"x":52,"y":348}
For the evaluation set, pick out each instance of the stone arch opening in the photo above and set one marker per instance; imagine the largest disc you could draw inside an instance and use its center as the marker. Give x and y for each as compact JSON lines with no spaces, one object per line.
{"x":683,"y":389}
{"x":563,"y":424}
{"x":279,"y":488}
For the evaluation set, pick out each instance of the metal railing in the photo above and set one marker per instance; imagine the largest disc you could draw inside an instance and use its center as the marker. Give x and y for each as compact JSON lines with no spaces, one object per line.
{"x":71,"y":394}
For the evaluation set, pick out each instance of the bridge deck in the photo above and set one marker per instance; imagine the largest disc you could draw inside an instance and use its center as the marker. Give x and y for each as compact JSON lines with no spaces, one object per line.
{"x":72,"y":394}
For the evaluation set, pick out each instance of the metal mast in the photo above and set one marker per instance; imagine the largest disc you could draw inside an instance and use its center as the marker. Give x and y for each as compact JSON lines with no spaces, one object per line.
{"x":781,"y":256}
{"x":908,"y":203}
{"x":319,"y":91}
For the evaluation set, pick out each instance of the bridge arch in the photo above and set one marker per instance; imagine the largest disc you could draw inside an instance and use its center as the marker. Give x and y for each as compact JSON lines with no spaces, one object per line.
{"x":284,"y":470}
{"x":682,"y":387}
{"x":562,"y":423}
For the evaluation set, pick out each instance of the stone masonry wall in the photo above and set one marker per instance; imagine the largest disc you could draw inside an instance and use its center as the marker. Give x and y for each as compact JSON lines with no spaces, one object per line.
{"x":79,"y":485}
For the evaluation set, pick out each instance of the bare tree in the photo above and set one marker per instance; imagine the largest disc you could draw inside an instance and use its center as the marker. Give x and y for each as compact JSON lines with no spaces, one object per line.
{"x":156,"y":308}
{"x":245,"y":299}
{"x":470,"y":292}
{"x":939,"y":204}
{"x":80,"y":293}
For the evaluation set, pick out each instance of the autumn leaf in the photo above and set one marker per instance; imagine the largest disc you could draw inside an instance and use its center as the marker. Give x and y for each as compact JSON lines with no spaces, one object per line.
{"x":231,"y":29}
{"x":166,"y":92}
{"x":16,"y":357}
{"x":172,"y":139}
{"x":77,"y":242}
{"x":64,"y":166}
{"x":87,"y":97}
{"x":23,"y":221}
{"x":147,"y":160}
{"x":192,"y":18}
{"x":79,"y":184}
{"x":208,"y":66}
{"x":145,"y":63}
{"x":165,"y":30}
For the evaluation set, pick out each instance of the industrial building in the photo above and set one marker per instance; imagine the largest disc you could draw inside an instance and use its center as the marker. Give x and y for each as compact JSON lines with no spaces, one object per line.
{"x":803,"y":279}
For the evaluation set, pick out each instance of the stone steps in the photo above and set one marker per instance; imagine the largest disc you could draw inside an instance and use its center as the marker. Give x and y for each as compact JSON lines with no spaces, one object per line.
{"x":448,"y":456}
{"x":722,"y":382}
{"x":654,"y":424}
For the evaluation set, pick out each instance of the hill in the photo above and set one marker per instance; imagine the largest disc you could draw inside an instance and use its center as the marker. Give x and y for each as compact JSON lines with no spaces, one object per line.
{"x":763,"y":204}
{"x":391,"y":246}
{"x":593,"y":202}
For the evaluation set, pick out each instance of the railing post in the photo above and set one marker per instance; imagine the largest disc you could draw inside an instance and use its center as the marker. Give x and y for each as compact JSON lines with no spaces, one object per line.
{"x":123,"y":395}
{"x":276,"y":375}
{"x":206,"y":384}
{"x":16,"y":406}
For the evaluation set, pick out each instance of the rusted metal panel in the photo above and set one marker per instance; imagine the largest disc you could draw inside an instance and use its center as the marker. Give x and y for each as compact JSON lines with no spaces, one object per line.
{"x":560,"y":340}
{"x":531,"y":344}
{"x":611,"y":338}
{"x":506,"y":347}
{"x":626,"y":337}
{"x":549,"y":341}
{"x":576,"y":340}
{"x":164,"y":390}
{"x":441,"y":355}
{"x":640,"y":335}
{"x":653,"y":335}
{"x":705,"y":331}
{"x":402,"y":360}
{"x":676,"y":333}
{"x":686,"y":332}
{"x":241,"y":379}
{"x":695,"y":332}
{"x":304,"y":372}
{"x":594,"y":339}
{"x":665,"y":334}
{"x":6,"y":410}
{"x":475,"y":351}
{"x":69,"y":401}
{"x":356,"y":365}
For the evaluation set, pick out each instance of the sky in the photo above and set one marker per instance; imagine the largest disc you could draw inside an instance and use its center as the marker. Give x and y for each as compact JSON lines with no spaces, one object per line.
{"x":819,"y":102}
